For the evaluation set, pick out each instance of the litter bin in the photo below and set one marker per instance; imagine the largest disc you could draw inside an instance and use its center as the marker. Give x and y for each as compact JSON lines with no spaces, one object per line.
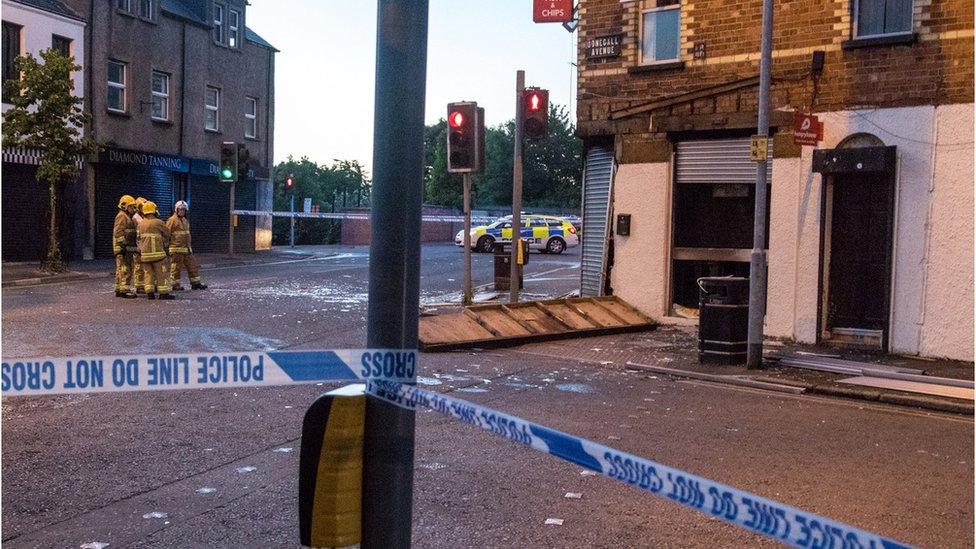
{"x":723,"y":319}
{"x":503,"y":270}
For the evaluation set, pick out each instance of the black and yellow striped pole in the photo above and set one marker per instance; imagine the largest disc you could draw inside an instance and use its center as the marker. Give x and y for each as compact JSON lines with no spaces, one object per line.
{"x":330,"y":476}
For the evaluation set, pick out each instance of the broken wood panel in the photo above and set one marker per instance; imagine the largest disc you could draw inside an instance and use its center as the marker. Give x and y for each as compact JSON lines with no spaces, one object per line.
{"x":600,"y":314}
{"x":535,"y":318}
{"x":451,"y":328}
{"x":570,"y":316}
{"x":497,"y":320}
{"x":623,"y":311}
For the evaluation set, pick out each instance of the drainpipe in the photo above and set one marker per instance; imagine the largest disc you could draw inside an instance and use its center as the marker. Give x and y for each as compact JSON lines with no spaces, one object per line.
{"x":88,"y":251}
{"x":182,"y":83}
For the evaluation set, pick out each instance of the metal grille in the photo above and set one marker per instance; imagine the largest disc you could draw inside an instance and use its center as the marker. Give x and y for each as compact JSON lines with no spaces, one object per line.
{"x":718,"y":161}
{"x":597,"y":182}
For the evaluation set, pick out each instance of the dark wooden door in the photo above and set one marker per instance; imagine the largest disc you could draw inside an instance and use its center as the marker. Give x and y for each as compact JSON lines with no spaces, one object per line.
{"x":860,"y":252}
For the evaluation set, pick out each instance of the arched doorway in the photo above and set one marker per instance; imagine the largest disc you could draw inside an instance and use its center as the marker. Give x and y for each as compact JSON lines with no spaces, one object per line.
{"x":858,"y":212}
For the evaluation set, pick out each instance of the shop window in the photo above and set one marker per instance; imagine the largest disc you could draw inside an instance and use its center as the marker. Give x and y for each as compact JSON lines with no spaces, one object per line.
{"x":250,"y":117}
{"x":713,"y":216}
{"x":882,"y":17}
{"x":116,"y":100}
{"x":11,"y":49}
{"x":211,"y":120}
{"x":661,"y":33}
{"x":160,"y":96}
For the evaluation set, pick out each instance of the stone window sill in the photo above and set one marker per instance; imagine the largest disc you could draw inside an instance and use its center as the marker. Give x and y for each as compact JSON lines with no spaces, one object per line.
{"x":162,"y":122}
{"x":893,"y":40}
{"x":122,"y":114}
{"x":656,"y":67}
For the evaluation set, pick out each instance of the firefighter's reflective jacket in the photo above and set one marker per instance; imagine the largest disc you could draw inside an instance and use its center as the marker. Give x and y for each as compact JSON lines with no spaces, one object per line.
{"x":153,"y":239}
{"x":124,"y":234}
{"x":179,"y":229}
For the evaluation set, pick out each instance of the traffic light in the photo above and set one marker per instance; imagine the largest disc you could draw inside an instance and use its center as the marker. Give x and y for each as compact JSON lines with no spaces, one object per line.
{"x":289,"y":182}
{"x":228,"y":162}
{"x":465,"y":137}
{"x":535,"y":113}
{"x":243,"y":161}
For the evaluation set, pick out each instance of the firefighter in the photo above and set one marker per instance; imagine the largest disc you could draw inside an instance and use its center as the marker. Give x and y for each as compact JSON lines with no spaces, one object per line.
{"x":138,"y":276}
{"x":124,"y":246}
{"x":180,"y":249}
{"x":153,"y":243}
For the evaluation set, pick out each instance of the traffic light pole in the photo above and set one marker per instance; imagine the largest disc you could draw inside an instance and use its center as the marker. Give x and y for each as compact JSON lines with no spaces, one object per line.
{"x":517,"y":187}
{"x":230,"y":232}
{"x":291,"y":206}
{"x":394,"y":261}
{"x":757,"y":264}
{"x":467,"y":296}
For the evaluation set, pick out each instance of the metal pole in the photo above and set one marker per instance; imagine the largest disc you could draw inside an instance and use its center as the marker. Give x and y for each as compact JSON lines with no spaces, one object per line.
{"x":230,"y":233}
{"x":467,"y":297}
{"x":394,"y":261}
{"x":517,"y":187}
{"x":757,"y":266}
{"x":292,"y":209}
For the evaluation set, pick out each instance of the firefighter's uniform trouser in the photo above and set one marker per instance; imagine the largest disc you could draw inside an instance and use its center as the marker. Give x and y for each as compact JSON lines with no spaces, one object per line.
{"x":123,"y":272}
{"x":138,"y":277}
{"x":156,"y":276}
{"x":181,"y":260}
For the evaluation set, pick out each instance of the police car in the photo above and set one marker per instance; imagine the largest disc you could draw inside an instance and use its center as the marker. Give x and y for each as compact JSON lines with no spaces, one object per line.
{"x":546,"y":233}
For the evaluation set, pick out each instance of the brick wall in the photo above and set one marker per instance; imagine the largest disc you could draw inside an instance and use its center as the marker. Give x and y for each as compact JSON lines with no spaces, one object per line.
{"x":936,"y":67}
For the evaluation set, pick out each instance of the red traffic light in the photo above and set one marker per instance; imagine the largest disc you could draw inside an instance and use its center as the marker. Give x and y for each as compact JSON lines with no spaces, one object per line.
{"x":534,"y":101}
{"x":456,"y":119}
{"x":535,"y":115}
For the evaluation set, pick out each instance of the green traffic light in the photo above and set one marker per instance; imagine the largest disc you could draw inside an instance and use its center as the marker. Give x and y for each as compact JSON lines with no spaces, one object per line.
{"x":226,"y":173}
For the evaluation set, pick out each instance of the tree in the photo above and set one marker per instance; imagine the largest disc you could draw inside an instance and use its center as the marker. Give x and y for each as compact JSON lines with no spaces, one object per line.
{"x":45,"y":116}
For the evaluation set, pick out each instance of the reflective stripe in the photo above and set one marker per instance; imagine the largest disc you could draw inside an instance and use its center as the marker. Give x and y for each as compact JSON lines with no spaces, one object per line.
{"x":181,"y":232}
{"x":179,"y":250}
{"x":149,"y":257}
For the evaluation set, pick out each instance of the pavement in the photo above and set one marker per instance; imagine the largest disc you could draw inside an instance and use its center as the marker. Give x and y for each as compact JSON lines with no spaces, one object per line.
{"x":173,"y":469}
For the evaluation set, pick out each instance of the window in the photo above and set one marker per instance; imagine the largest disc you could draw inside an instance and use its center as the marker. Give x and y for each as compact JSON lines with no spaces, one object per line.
{"x":218,"y":24}
{"x":123,"y":5}
{"x":11,"y":49}
{"x":211,"y":119}
{"x":660,"y":33}
{"x":233,"y":26}
{"x":160,"y":96}
{"x":61,"y":45}
{"x":250,"y":117}
{"x":882,"y":17}
{"x":146,"y":9}
{"x":116,"y":86}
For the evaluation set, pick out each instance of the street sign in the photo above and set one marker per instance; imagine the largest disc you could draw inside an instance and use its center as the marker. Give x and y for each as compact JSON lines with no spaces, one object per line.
{"x":603,"y":47}
{"x":552,"y":11}
{"x":807,"y":129}
{"x":307,"y":205}
{"x":758,"y":148}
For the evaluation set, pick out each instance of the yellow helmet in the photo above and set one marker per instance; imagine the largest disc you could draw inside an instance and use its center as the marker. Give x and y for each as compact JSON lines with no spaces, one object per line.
{"x":125,"y":200}
{"x":149,"y":207}
{"x":140,"y":201}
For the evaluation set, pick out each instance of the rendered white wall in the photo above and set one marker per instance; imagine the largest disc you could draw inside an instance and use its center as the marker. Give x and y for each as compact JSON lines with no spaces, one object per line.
{"x":639,"y":274}
{"x":38,"y":26}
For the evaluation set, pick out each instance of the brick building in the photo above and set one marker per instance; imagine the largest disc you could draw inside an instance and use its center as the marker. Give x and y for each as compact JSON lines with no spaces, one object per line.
{"x":871,"y":234}
{"x":166,"y":82}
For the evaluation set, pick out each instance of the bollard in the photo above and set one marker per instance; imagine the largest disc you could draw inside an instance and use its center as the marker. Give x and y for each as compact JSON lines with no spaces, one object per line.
{"x":330,"y":470}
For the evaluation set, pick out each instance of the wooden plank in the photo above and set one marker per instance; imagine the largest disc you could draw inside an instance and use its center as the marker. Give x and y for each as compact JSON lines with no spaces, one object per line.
{"x":540,"y":322}
{"x":603,"y":316}
{"x":686,"y":97}
{"x":498,"y":322}
{"x":622,"y":311}
{"x":569,"y":316}
{"x":543,"y":306}
{"x":514,"y":318}
{"x":475,"y":317}
{"x":451,"y":328}
{"x":573,"y":304}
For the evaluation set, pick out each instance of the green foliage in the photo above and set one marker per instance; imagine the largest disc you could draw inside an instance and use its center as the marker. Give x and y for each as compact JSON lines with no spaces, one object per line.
{"x":552,"y":172}
{"x":344,"y":184}
{"x":44,"y":115}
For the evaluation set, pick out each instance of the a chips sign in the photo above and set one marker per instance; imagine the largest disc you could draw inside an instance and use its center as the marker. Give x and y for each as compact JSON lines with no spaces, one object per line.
{"x":552,"y":11}
{"x":807,"y":129}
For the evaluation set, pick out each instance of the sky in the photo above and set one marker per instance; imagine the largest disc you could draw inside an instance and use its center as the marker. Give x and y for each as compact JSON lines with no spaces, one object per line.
{"x":325,"y":71}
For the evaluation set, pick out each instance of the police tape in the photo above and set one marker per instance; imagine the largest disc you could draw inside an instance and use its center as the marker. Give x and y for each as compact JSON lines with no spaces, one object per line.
{"x":101,"y":374}
{"x":780,"y":522}
{"x":359,"y":216}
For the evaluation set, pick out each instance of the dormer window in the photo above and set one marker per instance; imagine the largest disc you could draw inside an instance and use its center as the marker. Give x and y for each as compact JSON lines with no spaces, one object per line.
{"x":233,"y":29}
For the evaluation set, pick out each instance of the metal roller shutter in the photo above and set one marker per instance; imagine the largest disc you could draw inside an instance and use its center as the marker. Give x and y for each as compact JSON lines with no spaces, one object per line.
{"x":113,"y":181}
{"x":717,"y":161}
{"x":209,"y":214}
{"x":597,"y":184}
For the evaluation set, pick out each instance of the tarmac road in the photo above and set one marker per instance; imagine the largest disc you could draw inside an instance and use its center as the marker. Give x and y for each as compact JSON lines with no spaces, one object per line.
{"x":81,"y":469}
